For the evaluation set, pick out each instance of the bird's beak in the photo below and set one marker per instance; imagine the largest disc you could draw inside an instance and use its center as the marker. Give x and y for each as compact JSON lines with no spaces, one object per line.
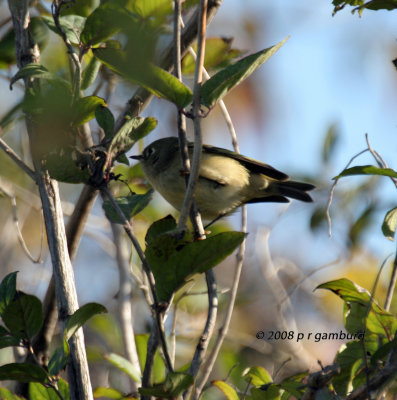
{"x":137,"y":157}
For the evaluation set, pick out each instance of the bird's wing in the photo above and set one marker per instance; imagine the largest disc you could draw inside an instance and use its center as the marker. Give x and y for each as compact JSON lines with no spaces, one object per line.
{"x":249,"y":163}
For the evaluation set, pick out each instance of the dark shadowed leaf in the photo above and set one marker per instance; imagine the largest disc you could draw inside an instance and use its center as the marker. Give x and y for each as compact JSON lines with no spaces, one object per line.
{"x":132,"y":130}
{"x":172,"y":261}
{"x":6,"y":339}
{"x":367,"y":170}
{"x":22,"y":372}
{"x":160,"y":227}
{"x":8,"y":287}
{"x":57,"y":361}
{"x":24,"y":316}
{"x":63,"y":167}
{"x":130,"y":205}
{"x":156,"y":80}
{"x":174,"y":385}
{"x":80,"y":317}
{"x":71,"y":25}
{"x":390,"y":223}
{"x":105,"y":120}
{"x":225,"y":80}
{"x":124,"y":365}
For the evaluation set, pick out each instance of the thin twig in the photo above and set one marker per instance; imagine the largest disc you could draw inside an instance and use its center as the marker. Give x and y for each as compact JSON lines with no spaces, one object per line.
{"x":331,"y":193}
{"x":158,"y":315}
{"x":56,"y":7}
{"x":10,"y":152}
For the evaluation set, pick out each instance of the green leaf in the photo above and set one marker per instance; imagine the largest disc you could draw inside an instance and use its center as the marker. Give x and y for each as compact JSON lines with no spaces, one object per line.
{"x":132,"y":130}
{"x":24,"y":316}
{"x":34,"y":70}
{"x":130,"y":205}
{"x":63,"y":167}
{"x":104,"y":22}
{"x":225,"y":80}
{"x":5,"y":394}
{"x":160,"y":227}
{"x":124,"y":365}
{"x":105,"y":120}
{"x":58,"y":361}
{"x":7,"y":49}
{"x":22,"y":372}
{"x":85,"y":109}
{"x":80,"y":317}
{"x":8,"y":287}
{"x":218,"y":52}
{"x":174,"y":385}
{"x":360,"y":5}
{"x":108,"y":393}
{"x":154,"y":79}
{"x":362,"y":312}
{"x":71,"y":25}
{"x":258,"y":376}
{"x":293,"y":385}
{"x":390,"y":223}
{"x":271,"y":392}
{"x":151,"y":8}
{"x":158,"y":374}
{"x":7,"y":340}
{"x":37,"y":391}
{"x":226,"y":389}
{"x":367,"y":170}
{"x":172,"y":261}
{"x":90,"y":73}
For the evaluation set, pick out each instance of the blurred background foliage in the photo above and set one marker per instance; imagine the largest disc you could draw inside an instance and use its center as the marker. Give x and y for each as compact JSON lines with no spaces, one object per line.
{"x":306,"y":112}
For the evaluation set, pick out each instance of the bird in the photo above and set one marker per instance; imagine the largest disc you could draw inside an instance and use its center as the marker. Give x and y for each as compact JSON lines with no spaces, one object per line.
{"x":226,"y":179}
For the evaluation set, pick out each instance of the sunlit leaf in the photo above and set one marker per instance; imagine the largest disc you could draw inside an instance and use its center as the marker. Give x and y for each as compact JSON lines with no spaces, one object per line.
{"x":124,"y":365}
{"x":390,"y":223}
{"x":71,"y":25}
{"x":257,"y":376}
{"x":156,"y":80}
{"x":367,"y":170}
{"x":227,"y":390}
{"x":84,"y":109}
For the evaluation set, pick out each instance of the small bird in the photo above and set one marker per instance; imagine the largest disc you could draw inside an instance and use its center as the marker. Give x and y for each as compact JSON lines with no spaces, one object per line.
{"x":226,"y":181}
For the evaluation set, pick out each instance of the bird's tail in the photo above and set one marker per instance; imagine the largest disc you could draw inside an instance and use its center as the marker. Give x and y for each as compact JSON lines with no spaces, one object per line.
{"x":279,"y":192}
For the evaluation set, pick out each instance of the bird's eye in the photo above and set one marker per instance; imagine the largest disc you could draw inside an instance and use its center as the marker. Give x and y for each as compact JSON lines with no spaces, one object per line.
{"x":149,"y":151}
